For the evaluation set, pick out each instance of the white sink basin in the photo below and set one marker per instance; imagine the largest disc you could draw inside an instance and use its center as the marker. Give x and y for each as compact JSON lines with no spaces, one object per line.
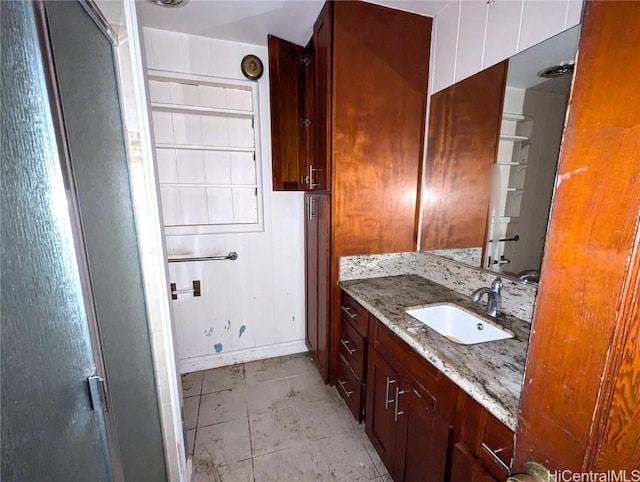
{"x":458,"y":325}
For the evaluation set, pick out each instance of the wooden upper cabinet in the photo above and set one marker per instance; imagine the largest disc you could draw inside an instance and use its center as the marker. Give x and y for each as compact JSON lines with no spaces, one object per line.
{"x":287,"y":80}
{"x":464,"y":131}
{"x":380,"y":75}
{"x":320,"y":164}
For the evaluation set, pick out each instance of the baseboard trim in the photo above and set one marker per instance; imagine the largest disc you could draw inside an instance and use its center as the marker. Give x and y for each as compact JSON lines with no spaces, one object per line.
{"x":207,"y":362}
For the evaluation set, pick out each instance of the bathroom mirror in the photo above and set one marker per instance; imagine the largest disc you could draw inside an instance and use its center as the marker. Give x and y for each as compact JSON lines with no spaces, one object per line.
{"x":536,"y":94}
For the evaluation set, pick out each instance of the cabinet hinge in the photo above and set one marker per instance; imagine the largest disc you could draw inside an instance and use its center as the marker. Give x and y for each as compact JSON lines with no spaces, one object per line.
{"x":305,"y":60}
{"x":305,"y":122}
{"x":97,"y":393}
{"x":304,"y":180}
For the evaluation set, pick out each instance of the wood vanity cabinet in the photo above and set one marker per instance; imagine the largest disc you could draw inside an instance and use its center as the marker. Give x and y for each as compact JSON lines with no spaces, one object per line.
{"x":352,"y":358}
{"x":423,"y":426}
{"x":410,"y":408}
{"x":483,"y":446}
{"x":367,"y":88}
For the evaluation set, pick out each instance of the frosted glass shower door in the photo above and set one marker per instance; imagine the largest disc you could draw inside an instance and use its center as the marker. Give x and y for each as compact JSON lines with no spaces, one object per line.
{"x":50,"y":431}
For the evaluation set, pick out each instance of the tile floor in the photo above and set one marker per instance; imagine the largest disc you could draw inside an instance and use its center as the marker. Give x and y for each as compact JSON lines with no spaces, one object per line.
{"x":274,"y":421}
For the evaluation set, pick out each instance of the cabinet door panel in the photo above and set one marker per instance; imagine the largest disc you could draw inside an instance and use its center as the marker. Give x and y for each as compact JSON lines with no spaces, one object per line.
{"x":380,"y":424}
{"x":503,"y":22}
{"x":445,"y":47}
{"x":322,"y":44}
{"x":473,"y":19}
{"x":541,"y":19}
{"x":287,"y":90}
{"x":317,"y":279}
{"x":321,"y":214}
{"x":311,"y":267}
{"x":464,"y":129}
{"x":465,"y":467}
{"x":425,"y":442}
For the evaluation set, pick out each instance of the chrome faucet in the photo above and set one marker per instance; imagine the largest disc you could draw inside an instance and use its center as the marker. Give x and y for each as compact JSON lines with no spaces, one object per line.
{"x":494,"y":297}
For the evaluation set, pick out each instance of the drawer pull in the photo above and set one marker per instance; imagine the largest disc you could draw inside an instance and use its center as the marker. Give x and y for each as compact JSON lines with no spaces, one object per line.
{"x":347,"y":310}
{"x":396,"y":413}
{"x":386,"y":397}
{"x":346,"y":392}
{"x":345,"y":343}
{"x":493,"y":453}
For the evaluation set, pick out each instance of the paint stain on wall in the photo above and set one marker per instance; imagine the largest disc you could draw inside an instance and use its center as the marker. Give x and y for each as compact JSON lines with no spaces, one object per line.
{"x":228,"y":325}
{"x":217,"y":347}
{"x":242,"y":330}
{"x":208,"y":332}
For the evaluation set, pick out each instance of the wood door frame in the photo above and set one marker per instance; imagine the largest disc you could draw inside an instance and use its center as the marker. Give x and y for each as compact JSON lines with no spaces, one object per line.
{"x":579,"y":408}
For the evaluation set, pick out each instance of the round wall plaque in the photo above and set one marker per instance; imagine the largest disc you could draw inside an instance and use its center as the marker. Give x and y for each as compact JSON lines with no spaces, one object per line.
{"x":252,"y":67}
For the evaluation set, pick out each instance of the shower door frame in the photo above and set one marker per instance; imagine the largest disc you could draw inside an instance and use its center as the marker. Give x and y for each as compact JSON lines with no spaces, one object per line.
{"x":66,"y":167}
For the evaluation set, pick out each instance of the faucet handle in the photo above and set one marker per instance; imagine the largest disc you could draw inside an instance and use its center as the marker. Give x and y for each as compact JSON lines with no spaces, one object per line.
{"x":496,"y":286}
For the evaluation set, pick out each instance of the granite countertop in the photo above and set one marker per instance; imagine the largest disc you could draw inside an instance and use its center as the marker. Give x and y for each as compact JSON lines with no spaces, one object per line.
{"x":491,"y":373}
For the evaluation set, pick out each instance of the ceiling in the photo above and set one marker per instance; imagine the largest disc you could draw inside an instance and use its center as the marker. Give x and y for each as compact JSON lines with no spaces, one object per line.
{"x":249,"y":21}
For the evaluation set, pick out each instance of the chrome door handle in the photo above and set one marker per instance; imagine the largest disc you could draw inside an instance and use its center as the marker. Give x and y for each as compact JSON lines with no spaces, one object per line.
{"x":311,"y":171}
{"x":346,"y":392}
{"x":493,"y":454}
{"x":396,"y":412}
{"x":345,"y":343}
{"x":347,"y":310}
{"x":386,"y":397}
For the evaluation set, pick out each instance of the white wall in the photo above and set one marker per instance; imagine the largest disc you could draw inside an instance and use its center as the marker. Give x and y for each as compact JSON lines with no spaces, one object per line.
{"x":471,"y":35}
{"x":262,"y":291}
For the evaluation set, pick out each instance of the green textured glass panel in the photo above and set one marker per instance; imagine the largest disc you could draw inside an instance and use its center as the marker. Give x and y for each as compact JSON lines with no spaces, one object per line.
{"x":49,"y":431}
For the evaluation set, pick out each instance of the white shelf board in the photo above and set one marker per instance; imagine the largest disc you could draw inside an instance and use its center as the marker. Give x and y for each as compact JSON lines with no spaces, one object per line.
{"x":200,"y":110}
{"x":196,"y":147}
{"x":205,"y":185}
{"x":504,"y":137}
{"x":511,"y":116}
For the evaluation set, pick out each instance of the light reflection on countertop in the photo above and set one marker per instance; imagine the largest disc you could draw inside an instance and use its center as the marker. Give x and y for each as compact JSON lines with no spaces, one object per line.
{"x":491,"y":373}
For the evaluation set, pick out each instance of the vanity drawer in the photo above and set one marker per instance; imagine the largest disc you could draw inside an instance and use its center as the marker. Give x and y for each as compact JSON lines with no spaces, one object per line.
{"x":352,"y":312}
{"x":350,"y":388}
{"x":496,"y":447}
{"x":353,"y":348}
{"x":488,"y":439}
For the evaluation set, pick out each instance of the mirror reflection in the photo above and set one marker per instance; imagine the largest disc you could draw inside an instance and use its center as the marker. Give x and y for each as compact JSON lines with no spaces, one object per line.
{"x":533,"y":114}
